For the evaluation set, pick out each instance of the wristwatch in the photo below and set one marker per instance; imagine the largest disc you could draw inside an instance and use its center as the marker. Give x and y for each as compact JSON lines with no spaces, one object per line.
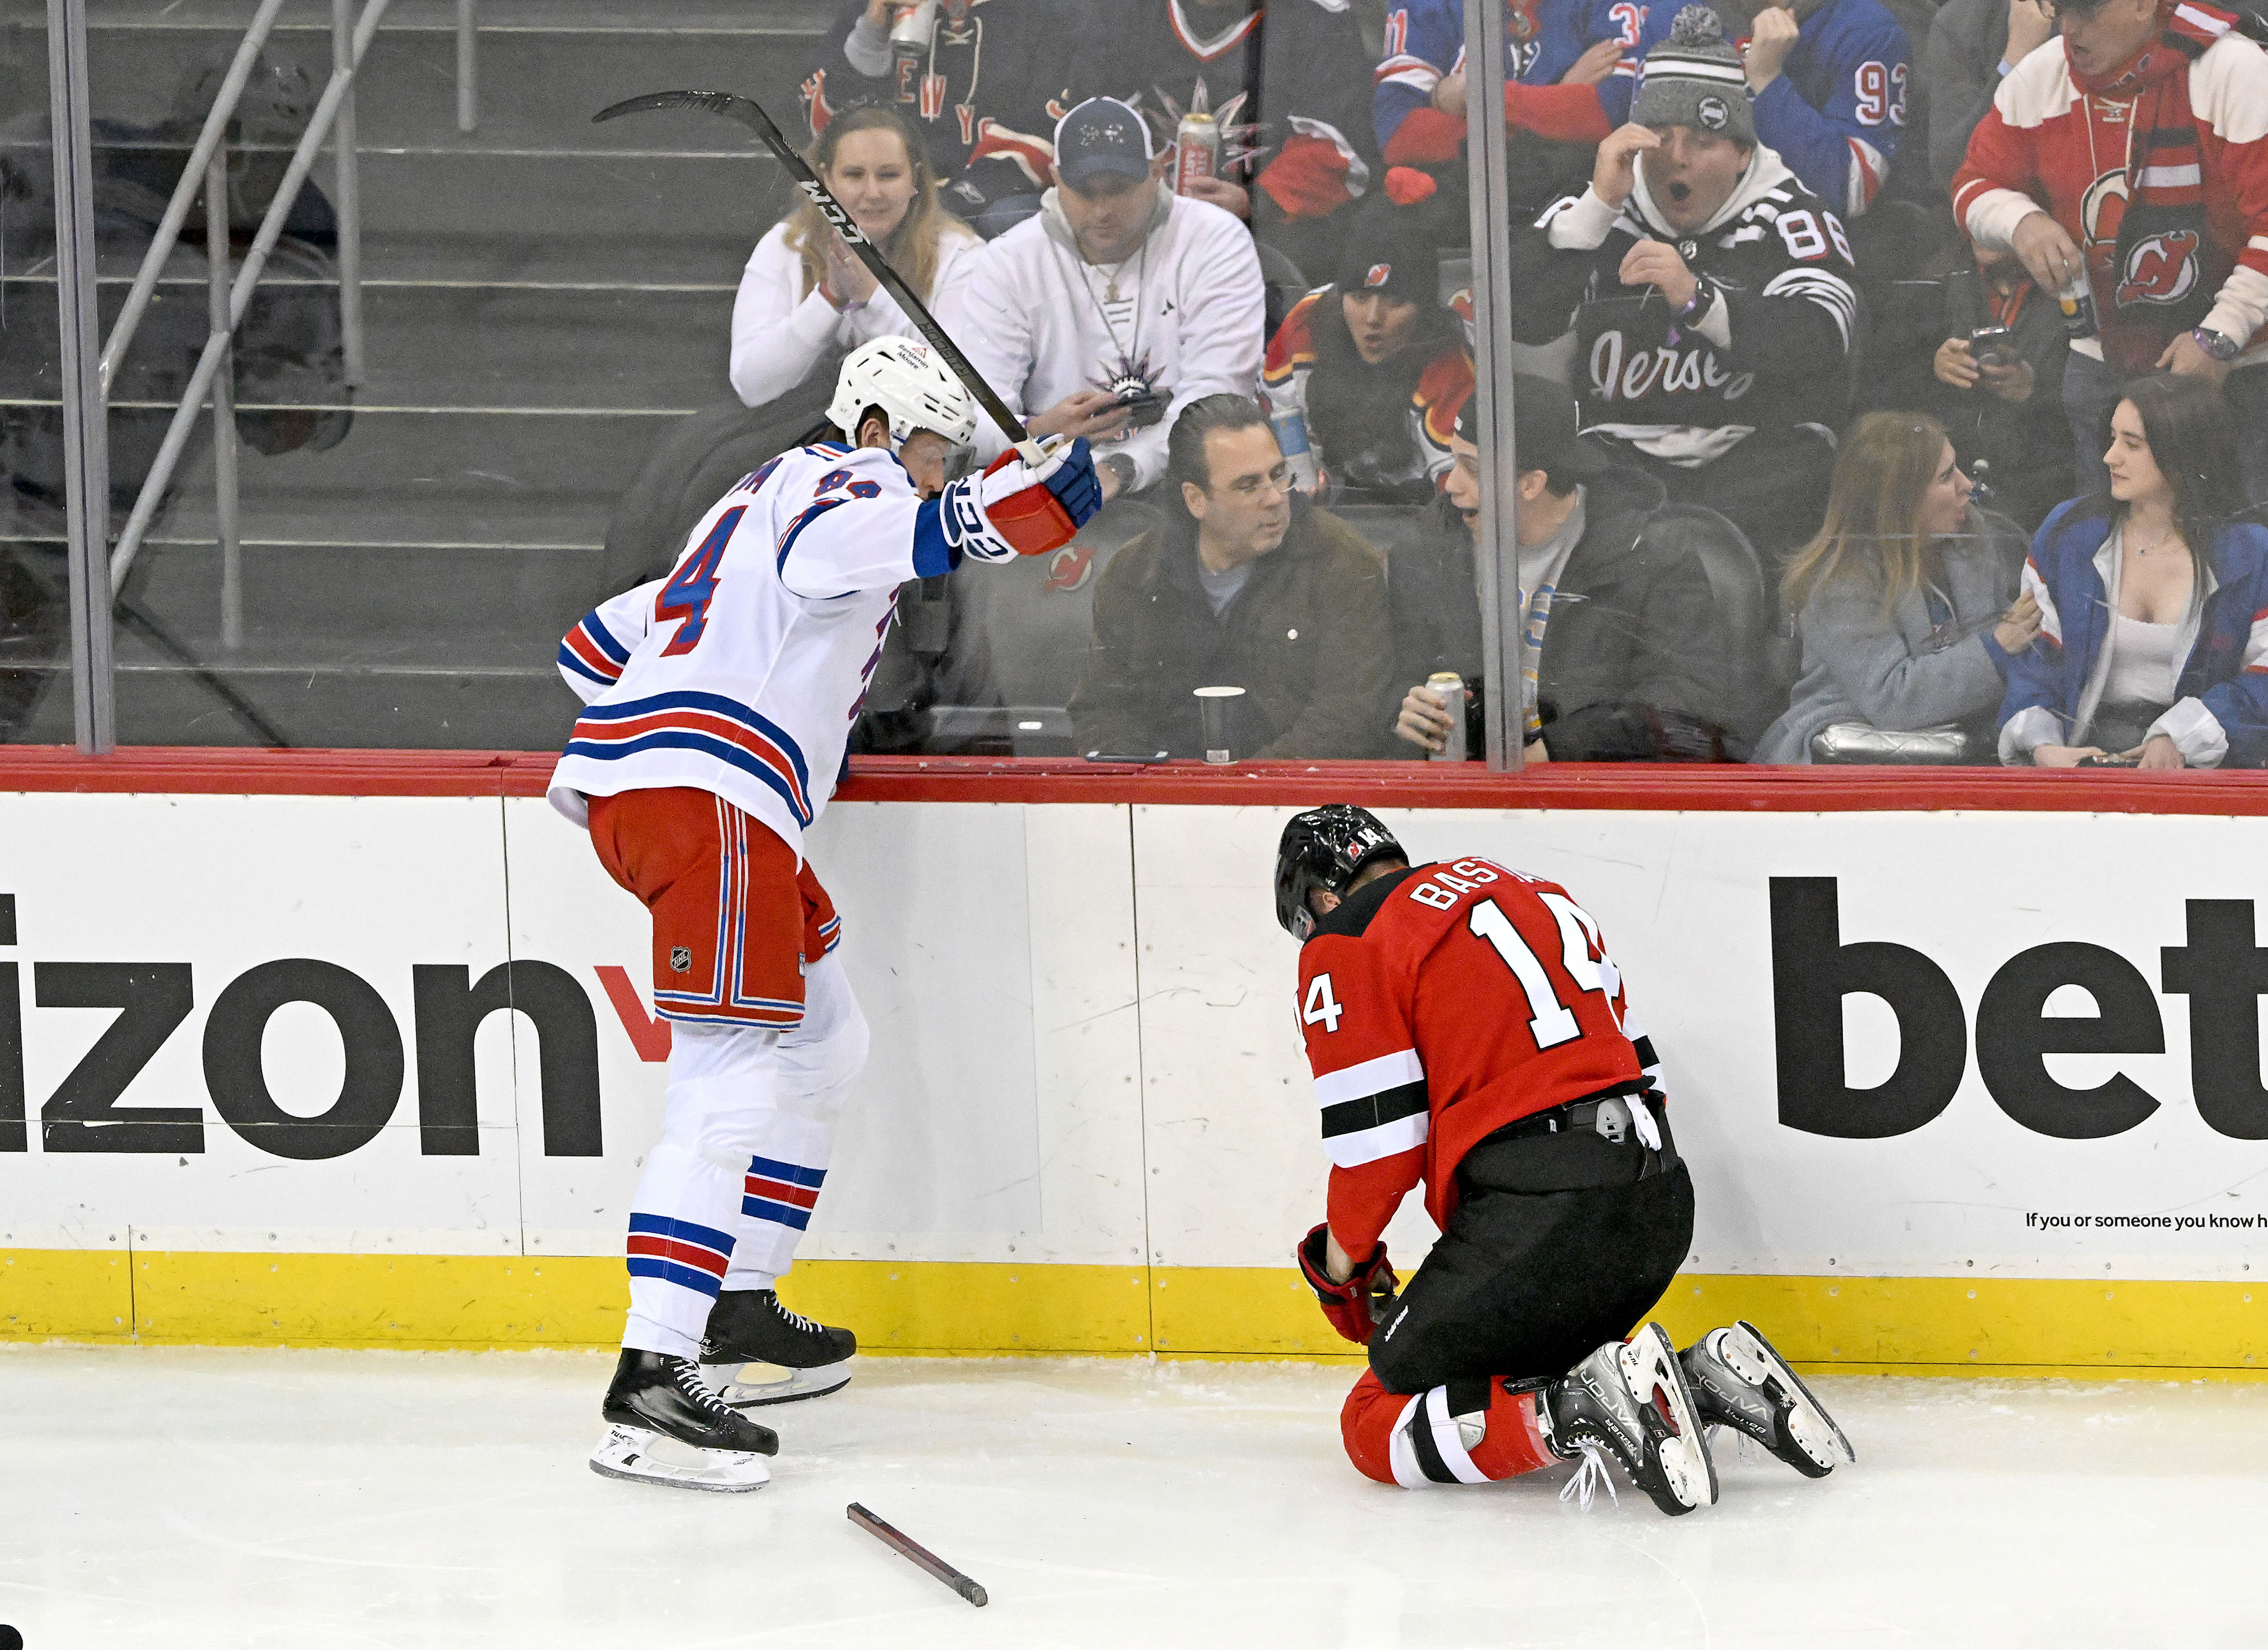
{"x":2217,"y":345}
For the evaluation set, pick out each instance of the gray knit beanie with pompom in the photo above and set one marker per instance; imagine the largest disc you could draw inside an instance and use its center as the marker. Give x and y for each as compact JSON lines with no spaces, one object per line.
{"x":1695,"y":78}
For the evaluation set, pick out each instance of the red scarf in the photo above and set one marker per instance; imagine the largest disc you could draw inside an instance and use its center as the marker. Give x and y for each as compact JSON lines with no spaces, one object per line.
{"x":2166,"y":270}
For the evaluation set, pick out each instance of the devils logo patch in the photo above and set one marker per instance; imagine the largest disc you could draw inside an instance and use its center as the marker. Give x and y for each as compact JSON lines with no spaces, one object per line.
{"x":2160,"y":268}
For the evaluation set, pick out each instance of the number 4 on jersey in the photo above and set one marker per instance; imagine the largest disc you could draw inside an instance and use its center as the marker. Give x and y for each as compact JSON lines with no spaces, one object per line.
{"x":1321,"y":1004}
{"x":693,"y":586}
{"x":1551,"y":1022}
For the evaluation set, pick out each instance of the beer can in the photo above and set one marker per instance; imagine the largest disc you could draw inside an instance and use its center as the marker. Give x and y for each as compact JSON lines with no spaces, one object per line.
{"x":1451,"y":687}
{"x":2077,"y":302}
{"x":1298,"y":453}
{"x":1196,"y":150}
{"x":911,"y":31}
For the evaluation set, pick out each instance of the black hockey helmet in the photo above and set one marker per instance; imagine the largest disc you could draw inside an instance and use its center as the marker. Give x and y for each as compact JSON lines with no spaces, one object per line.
{"x":1324,"y":848}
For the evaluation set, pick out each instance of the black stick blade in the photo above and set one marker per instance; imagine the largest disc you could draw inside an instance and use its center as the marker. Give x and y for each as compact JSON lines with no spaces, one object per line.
{"x":723,"y":103}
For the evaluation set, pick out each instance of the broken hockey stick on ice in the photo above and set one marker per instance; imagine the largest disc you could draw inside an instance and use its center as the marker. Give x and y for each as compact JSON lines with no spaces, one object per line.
{"x":898,"y":1542}
{"x":751,"y":115}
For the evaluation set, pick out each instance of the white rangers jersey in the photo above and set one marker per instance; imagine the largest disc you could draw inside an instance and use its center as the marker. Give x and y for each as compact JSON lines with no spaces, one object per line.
{"x":741,"y":673}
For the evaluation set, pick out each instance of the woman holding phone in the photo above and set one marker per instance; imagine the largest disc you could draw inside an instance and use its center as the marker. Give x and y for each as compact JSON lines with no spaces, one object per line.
{"x":804,"y":293}
{"x":2150,"y":654}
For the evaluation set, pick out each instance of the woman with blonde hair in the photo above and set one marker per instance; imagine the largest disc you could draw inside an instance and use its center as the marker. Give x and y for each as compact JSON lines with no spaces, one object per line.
{"x":804,"y":294}
{"x":1902,"y":601}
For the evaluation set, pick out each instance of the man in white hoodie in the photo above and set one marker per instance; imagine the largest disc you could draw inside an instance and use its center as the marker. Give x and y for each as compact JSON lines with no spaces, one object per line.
{"x":1115,"y":307}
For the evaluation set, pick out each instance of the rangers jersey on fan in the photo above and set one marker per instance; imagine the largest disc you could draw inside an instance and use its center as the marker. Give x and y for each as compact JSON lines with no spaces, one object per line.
{"x":1835,"y":114}
{"x":1425,"y":40}
{"x":740,"y":674}
{"x":984,"y":89}
{"x":1771,"y":352}
{"x":1440,"y":1004}
{"x":1296,"y":67}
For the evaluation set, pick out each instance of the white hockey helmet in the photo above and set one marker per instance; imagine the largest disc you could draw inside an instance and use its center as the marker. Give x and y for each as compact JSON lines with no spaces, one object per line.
{"x":911,"y":387}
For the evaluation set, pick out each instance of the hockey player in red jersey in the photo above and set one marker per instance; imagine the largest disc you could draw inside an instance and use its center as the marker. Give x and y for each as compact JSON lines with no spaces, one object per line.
{"x":1469,"y":1032}
{"x":717,"y":704}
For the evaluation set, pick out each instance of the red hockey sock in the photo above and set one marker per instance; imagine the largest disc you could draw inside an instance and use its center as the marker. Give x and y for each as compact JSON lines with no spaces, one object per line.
{"x":1396,"y":1438}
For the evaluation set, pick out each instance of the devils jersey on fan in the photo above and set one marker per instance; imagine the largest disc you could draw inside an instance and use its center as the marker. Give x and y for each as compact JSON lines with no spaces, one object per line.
{"x":1440,"y":1004}
{"x":741,"y":673}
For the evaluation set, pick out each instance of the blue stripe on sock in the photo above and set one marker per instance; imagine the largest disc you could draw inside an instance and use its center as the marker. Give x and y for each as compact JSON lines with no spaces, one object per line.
{"x":670,"y":1272}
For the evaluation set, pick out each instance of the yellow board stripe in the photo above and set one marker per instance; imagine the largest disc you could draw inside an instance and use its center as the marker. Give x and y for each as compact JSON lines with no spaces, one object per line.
{"x":1861,"y":1325}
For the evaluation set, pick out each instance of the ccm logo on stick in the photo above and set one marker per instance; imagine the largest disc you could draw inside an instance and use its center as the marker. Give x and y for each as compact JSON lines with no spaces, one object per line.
{"x":2221,"y":970}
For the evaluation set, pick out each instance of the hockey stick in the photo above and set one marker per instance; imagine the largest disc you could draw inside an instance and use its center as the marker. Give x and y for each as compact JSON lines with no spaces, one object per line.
{"x":750,"y":113}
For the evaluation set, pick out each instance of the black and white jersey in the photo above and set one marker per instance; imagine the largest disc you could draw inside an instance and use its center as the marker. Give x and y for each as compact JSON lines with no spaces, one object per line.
{"x":985,"y":87}
{"x":1771,"y":350}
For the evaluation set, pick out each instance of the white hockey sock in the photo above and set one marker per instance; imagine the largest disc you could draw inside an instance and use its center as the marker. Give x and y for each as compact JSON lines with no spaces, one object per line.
{"x":683,"y":1226}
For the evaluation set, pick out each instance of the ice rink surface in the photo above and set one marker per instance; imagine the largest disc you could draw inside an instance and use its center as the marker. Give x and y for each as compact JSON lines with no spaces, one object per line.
{"x":172,"y":1498}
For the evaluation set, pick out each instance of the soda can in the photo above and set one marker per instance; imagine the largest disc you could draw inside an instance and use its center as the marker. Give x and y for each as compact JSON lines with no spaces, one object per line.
{"x":1451,"y":687}
{"x":1298,"y":454}
{"x":1196,"y":150}
{"x":2077,"y":302}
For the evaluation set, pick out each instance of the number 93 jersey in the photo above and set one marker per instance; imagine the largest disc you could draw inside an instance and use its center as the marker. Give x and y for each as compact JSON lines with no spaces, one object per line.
{"x":741,"y":673}
{"x":1440,"y":1004}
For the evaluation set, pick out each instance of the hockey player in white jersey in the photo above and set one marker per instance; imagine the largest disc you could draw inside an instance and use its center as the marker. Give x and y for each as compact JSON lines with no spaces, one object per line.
{"x":718,"y":704}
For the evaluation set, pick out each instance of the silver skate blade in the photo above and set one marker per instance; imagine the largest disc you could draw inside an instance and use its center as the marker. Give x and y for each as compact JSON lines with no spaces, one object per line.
{"x":642,"y":1456}
{"x":1780,"y":1369}
{"x":753,"y":1385}
{"x":1650,"y":1363}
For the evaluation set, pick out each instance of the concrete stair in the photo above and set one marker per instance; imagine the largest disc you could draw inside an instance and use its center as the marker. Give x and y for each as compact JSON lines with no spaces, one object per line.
{"x":543,"y":299}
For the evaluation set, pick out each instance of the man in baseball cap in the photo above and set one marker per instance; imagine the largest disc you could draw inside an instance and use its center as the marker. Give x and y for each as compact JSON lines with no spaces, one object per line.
{"x":1100,"y":141}
{"x":1117,"y":306}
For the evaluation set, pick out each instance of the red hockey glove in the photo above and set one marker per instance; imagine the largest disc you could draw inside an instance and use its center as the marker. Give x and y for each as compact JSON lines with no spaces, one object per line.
{"x":1309,"y":177}
{"x":1356,"y":1306}
{"x":1426,"y":137}
{"x":1030,"y":512}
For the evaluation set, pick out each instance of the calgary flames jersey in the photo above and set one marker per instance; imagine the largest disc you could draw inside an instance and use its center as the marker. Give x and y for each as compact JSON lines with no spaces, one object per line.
{"x":1440,"y":1004}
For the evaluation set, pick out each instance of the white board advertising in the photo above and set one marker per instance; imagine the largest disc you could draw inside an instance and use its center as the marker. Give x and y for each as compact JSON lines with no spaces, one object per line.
{"x":2023,"y":1045}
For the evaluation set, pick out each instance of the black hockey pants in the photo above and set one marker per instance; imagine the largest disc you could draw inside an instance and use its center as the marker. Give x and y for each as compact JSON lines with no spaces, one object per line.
{"x":1558,"y":1243}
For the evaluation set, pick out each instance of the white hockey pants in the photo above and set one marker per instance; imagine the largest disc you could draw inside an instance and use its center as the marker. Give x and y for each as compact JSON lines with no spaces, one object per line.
{"x":748,"y":1125}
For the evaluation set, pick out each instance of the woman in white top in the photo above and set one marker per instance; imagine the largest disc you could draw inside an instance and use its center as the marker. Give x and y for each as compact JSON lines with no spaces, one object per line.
{"x":803,"y":292}
{"x":2152,"y":649}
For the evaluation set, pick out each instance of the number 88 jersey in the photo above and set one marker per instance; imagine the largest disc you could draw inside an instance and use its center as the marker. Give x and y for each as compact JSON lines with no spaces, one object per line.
{"x":740,"y":674}
{"x":1440,"y":1004}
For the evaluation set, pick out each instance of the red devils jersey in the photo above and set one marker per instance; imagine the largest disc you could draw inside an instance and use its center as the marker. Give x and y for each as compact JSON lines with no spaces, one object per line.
{"x":1440,"y":1004}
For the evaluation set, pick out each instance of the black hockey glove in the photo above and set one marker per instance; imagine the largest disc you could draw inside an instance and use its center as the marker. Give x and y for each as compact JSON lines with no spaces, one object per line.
{"x":1355,"y":1307}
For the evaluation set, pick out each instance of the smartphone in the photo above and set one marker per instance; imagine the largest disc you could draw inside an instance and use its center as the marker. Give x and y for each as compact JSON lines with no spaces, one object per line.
{"x":1126,"y":756}
{"x":1143,"y":410}
{"x":1991,"y":347}
{"x":2108,"y":762}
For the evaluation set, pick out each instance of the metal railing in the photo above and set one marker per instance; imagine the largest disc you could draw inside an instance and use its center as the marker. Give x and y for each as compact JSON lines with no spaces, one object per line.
{"x":211,"y":383}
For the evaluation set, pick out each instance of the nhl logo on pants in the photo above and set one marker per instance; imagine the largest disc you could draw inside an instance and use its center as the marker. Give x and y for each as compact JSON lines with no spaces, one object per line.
{"x":681,"y":958}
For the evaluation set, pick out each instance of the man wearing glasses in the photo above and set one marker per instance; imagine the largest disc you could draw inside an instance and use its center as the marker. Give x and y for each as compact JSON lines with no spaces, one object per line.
{"x":1245,"y":585}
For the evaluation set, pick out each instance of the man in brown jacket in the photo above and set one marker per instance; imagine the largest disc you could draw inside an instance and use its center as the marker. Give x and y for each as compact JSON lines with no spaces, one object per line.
{"x":1246,"y":585}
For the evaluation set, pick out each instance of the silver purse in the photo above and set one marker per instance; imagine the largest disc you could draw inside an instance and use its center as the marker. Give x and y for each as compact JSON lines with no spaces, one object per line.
{"x":1946,"y":745}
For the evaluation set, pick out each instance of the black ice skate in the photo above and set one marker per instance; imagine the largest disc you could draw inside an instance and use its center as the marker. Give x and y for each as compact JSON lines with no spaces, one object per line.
{"x":1632,"y":1399}
{"x":1739,"y":1382}
{"x":749,"y":1326}
{"x":663,"y":1425}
